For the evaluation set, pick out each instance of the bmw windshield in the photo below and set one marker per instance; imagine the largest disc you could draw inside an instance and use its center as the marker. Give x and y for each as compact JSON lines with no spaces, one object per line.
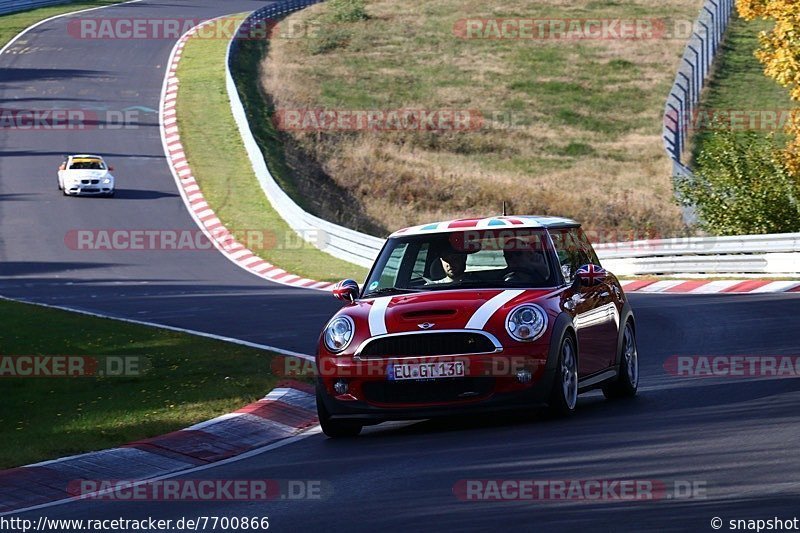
{"x":508,"y":258}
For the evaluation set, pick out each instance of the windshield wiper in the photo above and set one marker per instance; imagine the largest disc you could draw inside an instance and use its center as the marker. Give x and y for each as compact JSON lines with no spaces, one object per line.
{"x":390,"y":290}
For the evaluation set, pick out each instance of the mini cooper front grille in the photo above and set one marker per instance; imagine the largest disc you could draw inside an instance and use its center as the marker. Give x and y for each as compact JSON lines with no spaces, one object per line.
{"x":428,"y":344}
{"x":430,"y":391}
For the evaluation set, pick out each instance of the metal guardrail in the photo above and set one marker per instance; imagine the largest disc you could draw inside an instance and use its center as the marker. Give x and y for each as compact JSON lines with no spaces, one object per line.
{"x":343,"y":243}
{"x":777,"y":254}
{"x":748,"y":254}
{"x":694,"y":68}
{"x":13,"y":6}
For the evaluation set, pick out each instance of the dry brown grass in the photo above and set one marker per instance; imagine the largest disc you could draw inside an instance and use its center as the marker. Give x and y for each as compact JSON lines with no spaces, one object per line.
{"x":589,"y":146}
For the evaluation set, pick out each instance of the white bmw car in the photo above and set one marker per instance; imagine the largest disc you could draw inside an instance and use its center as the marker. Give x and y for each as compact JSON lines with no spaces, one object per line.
{"x":85,"y":174}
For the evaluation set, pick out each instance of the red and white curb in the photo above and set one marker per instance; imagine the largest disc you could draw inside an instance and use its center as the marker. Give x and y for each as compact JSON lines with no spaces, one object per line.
{"x":282,"y":414}
{"x":704,"y":286}
{"x":193,"y":197}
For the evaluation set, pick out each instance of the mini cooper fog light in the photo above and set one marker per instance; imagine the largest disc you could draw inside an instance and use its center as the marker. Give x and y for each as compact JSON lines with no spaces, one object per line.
{"x":340,"y":387}
{"x":526,"y":322}
{"x":524,"y":376}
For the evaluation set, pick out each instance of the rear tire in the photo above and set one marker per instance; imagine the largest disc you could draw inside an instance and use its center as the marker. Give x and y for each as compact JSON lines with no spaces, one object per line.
{"x":335,"y":429}
{"x":627,"y":382}
{"x":564,"y":395}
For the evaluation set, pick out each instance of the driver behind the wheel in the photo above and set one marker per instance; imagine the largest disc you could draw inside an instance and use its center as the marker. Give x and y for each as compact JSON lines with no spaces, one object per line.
{"x":454,"y":265}
{"x":524,"y":263}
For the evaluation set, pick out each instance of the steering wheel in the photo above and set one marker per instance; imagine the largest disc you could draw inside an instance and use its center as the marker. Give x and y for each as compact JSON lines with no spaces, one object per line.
{"x":520,"y":275}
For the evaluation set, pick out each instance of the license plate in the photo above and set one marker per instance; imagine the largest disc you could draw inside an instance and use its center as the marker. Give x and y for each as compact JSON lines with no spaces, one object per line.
{"x":403,"y":371}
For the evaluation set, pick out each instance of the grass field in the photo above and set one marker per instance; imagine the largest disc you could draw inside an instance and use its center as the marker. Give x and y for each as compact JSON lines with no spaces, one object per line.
{"x":11,"y":25}
{"x":219,"y":162}
{"x":571,"y":127}
{"x":739,"y":83}
{"x":190,"y":379}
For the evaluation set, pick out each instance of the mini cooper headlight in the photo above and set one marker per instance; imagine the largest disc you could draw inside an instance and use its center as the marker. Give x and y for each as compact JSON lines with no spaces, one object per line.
{"x":526,"y":322}
{"x":339,"y":333}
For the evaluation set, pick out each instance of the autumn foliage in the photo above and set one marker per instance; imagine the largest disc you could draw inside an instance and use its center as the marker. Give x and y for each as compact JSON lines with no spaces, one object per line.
{"x":780,"y":54}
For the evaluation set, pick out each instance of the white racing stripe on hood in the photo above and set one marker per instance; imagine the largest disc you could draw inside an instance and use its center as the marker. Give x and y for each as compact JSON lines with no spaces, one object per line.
{"x":485,"y":312}
{"x":377,"y":316}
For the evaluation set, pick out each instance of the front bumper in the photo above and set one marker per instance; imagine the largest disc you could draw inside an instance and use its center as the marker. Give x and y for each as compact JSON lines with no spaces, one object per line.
{"x":80,"y":189}
{"x":490,"y":384}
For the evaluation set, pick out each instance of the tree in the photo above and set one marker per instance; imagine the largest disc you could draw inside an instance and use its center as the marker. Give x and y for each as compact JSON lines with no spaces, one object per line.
{"x":780,"y":54}
{"x":742,"y":186}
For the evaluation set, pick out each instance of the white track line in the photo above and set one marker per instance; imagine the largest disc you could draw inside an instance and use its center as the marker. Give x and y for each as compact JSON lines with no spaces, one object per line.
{"x":232,"y":340}
{"x":29,"y":28}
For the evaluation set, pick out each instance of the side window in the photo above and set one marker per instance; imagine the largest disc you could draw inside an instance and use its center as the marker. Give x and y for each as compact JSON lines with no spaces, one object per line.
{"x":418,"y":270}
{"x":389,"y":274}
{"x":587,"y":247}
{"x":571,"y":251}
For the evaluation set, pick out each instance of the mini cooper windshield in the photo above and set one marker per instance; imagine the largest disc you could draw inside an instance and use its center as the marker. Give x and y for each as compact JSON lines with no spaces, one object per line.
{"x":507,"y":258}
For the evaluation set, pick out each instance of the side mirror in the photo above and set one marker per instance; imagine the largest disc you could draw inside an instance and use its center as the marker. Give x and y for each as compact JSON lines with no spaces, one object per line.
{"x":346,"y":290}
{"x":110,"y":168}
{"x":590,"y":275}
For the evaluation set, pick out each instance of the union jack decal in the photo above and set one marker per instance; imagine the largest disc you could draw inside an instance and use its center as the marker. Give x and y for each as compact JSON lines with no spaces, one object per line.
{"x":345,"y":288}
{"x":591,"y":275}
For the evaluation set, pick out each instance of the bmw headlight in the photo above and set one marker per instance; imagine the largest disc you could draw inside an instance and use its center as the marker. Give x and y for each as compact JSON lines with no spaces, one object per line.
{"x":526,"y":322}
{"x":107,"y":180}
{"x":339,"y":333}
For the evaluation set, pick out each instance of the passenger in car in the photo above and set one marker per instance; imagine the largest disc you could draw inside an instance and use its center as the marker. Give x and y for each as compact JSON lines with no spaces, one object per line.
{"x":525,"y":265}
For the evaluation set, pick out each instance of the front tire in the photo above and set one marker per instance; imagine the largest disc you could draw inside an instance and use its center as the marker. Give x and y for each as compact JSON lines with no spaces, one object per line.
{"x":335,"y":429}
{"x":564,"y":396}
{"x":627,"y":382}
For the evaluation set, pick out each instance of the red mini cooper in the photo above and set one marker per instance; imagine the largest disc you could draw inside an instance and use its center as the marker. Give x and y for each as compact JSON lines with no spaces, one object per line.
{"x":475,"y":315}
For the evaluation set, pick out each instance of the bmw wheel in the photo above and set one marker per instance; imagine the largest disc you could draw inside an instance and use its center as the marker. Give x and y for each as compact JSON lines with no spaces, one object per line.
{"x":564,"y":395}
{"x":627,"y":382}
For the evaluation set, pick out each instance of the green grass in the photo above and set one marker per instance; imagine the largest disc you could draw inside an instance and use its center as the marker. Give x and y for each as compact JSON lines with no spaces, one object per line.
{"x":739,"y":82}
{"x":566,"y":121}
{"x":220,"y":164}
{"x":11,"y":25}
{"x":191,"y":379}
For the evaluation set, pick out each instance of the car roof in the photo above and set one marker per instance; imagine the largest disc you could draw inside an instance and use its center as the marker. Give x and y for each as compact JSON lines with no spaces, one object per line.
{"x":497,"y":222}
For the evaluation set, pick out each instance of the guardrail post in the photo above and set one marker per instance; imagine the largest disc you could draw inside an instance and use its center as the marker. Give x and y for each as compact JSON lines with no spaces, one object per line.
{"x":714,"y":17}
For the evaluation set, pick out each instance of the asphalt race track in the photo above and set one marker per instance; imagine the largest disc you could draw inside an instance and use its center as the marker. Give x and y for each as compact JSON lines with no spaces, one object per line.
{"x":49,"y":68}
{"x":734,"y":437}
